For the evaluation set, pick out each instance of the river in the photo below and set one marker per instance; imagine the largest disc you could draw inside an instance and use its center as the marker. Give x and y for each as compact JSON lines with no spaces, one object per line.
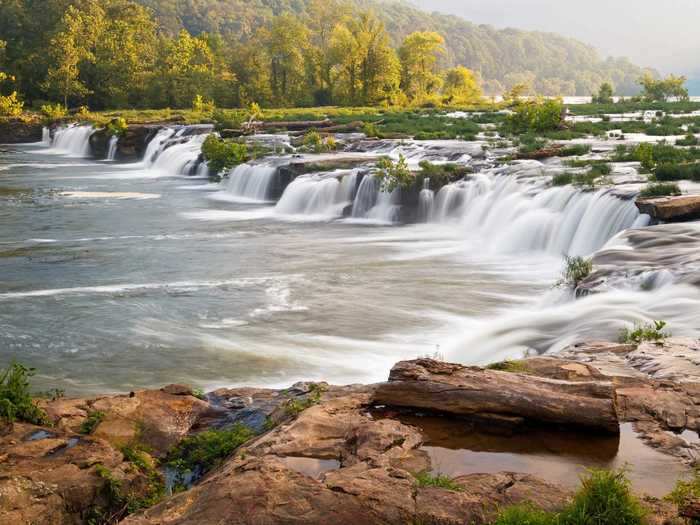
{"x":120,"y":276}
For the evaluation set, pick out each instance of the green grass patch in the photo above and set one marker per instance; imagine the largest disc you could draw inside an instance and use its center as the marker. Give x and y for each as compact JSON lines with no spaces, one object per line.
{"x":604,"y":498}
{"x":426,"y":479}
{"x":576,"y":269}
{"x":660,"y":189}
{"x":92,"y":422}
{"x":296,"y":406}
{"x":669,"y":172}
{"x":689,"y":140}
{"x":16,"y":403}
{"x":513,"y":366}
{"x":653,"y":332}
{"x":206,"y":450}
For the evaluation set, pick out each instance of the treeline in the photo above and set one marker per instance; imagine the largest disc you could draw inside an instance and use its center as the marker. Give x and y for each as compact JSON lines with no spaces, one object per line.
{"x":120,"y":53}
{"x":111,"y":53}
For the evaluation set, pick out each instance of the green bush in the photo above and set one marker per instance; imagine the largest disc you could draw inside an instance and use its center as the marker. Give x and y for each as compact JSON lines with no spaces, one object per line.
{"x":686,"y":491}
{"x":207,"y":449}
{"x":660,"y":189}
{"x":644,"y":154}
{"x":16,"y":402}
{"x":576,"y":269}
{"x":117,"y":126}
{"x":10,"y":105}
{"x":313,"y":142}
{"x":223,"y":155}
{"x":53,"y":112}
{"x":536,"y":115}
{"x":575,"y":150}
{"x":604,"y":498}
{"x":441,"y":174}
{"x":515,"y":367}
{"x":645,"y":332}
{"x":294,"y":407}
{"x":668,"y":172}
{"x":562,"y":179}
{"x":689,"y":140}
{"x":92,"y":422}
{"x":426,"y":479}
{"x":392,"y":175}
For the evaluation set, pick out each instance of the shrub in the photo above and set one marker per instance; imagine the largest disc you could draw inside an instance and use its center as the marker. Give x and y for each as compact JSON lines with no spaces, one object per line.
{"x":15,"y":400}
{"x":92,"y":421}
{"x":644,"y":154}
{"x":117,"y":126}
{"x":315,"y":143}
{"x":575,"y":150}
{"x":562,"y":179}
{"x":204,"y":451}
{"x":603,"y":499}
{"x":686,"y":491}
{"x":426,"y":479}
{"x":392,"y":175}
{"x":10,"y":105}
{"x":441,"y":174}
{"x":295,"y":406}
{"x":223,"y":155}
{"x":226,"y":119}
{"x":576,"y":269}
{"x":678,"y":172}
{"x":536,"y":115}
{"x":199,"y":105}
{"x":689,"y":140}
{"x":371,"y":131}
{"x":645,"y":332}
{"x":525,"y":515}
{"x":660,"y":189}
{"x":53,"y":112}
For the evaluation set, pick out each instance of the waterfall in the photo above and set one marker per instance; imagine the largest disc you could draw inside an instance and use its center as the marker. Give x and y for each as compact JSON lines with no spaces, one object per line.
{"x":156,"y":144}
{"x":73,"y":140}
{"x":513,"y":217}
{"x":319,"y":195}
{"x":373,"y":204}
{"x":176,"y":158}
{"x":112,"y":151}
{"x":426,"y":198}
{"x":46,"y":136}
{"x":251,"y":182}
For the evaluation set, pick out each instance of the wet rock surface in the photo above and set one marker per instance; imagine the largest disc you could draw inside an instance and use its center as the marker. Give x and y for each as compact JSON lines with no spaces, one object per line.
{"x":671,"y":209}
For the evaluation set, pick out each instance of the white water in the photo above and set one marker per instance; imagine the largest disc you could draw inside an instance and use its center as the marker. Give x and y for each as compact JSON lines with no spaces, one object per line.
{"x":512,"y":217}
{"x":156,"y":144}
{"x":73,"y":140}
{"x":112,"y":151}
{"x":46,"y":136}
{"x":250,"y":182}
{"x":176,"y":159}
{"x":321,"y":196}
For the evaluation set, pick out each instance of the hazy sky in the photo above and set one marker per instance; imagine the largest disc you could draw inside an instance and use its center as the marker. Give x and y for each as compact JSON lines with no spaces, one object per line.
{"x":661,"y":34}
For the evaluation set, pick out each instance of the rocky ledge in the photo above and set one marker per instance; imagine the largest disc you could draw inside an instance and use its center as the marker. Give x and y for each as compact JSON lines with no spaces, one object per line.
{"x":337,"y":455}
{"x":671,"y":209}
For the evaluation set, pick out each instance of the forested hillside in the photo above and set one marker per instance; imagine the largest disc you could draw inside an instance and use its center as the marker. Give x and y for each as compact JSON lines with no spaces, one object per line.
{"x":552,"y":64}
{"x":167,"y":53}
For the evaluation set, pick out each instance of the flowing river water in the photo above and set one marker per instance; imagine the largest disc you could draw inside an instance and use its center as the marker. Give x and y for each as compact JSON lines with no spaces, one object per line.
{"x":119,"y":276}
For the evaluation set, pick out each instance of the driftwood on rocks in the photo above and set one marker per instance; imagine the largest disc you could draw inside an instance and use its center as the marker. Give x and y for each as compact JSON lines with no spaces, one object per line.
{"x":471,"y":391}
{"x":289,"y":125}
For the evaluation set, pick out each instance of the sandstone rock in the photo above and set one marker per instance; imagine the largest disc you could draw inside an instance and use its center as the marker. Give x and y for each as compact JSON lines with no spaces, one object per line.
{"x":17,"y":131}
{"x":461,"y":390}
{"x":671,"y":209}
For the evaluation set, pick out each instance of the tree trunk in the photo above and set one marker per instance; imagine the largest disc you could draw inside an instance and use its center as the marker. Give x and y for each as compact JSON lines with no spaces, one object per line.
{"x":472,"y":391}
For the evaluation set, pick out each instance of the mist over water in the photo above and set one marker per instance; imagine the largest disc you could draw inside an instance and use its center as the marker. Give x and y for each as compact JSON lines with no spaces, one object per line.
{"x":116,"y":276}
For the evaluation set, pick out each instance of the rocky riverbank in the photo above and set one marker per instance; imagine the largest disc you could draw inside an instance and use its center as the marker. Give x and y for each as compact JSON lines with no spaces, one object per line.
{"x":316,"y":453}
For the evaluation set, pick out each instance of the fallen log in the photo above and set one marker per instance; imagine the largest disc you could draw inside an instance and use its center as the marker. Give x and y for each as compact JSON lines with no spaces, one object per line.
{"x":471,"y":391}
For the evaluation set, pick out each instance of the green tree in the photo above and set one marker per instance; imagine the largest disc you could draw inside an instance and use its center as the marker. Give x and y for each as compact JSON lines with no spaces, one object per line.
{"x":662,"y":89}
{"x":605,"y":94}
{"x":461,"y":86}
{"x":288,"y":44}
{"x":419,"y":55}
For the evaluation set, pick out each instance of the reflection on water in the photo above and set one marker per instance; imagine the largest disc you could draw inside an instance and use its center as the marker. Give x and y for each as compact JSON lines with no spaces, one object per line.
{"x":558,"y":456}
{"x":311,"y":467}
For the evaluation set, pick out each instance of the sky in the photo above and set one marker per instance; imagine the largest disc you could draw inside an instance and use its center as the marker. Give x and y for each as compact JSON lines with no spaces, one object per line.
{"x":662,"y":34}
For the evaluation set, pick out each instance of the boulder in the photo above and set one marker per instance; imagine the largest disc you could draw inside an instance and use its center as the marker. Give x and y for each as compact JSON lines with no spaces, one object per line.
{"x":671,"y":209}
{"x":18,"y":130}
{"x":471,"y":391}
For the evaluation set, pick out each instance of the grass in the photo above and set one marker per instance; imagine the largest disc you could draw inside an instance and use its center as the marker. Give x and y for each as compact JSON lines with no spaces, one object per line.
{"x":660,"y":189}
{"x":426,"y":479}
{"x":670,"y":172}
{"x":294,"y":407}
{"x":576,"y":269}
{"x":689,"y":140}
{"x":92,"y":422}
{"x":16,"y":403}
{"x":652,"y":332}
{"x":604,"y":498}
{"x":516,"y":367}
{"x":686,"y":491}
{"x":206,"y":450}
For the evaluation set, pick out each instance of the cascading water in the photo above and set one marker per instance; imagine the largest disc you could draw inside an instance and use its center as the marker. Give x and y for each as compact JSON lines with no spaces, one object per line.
{"x":177,"y":159}
{"x":251,"y":182}
{"x":73,"y":140}
{"x":324,"y":195}
{"x":156,"y":144}
{"x":112,"y":150}
{"x":46,"y":136}
{"x":514,"y":217}
{"x":426,"y":199}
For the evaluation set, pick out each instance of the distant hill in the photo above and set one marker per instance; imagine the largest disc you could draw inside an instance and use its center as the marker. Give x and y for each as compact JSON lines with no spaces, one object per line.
{"x":553,"y":64}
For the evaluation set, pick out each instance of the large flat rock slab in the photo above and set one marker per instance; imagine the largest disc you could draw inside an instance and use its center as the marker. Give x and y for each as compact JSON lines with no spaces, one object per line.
{"x":671,"y":209}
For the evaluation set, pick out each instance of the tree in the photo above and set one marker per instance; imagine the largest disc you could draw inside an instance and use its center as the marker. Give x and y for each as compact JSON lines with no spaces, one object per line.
{"x":605,"y":94}
{"x":662,"y":89}
{"x":419,"y":54}
{"x":288,"y":42}
{"x":461,"y":86}
{"x":365,"y":69}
